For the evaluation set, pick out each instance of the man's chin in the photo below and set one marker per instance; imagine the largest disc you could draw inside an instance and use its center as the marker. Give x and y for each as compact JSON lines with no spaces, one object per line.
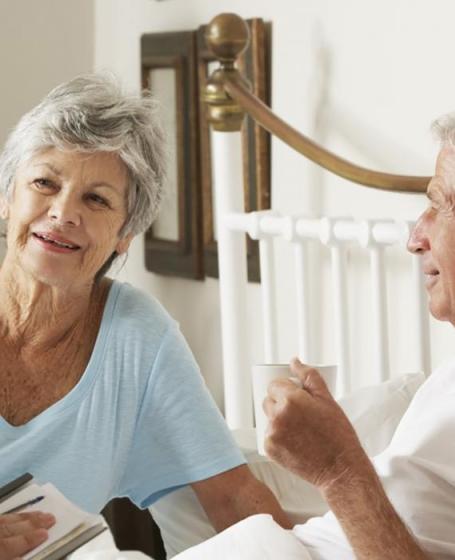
{"x":441,"y":313}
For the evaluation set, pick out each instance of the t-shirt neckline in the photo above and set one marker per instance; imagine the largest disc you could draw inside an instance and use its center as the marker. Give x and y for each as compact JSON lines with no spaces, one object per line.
{"x":79,"y":391}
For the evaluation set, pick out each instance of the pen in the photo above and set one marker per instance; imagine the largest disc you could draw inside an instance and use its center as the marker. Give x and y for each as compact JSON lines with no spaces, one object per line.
{"x":24,"y":505}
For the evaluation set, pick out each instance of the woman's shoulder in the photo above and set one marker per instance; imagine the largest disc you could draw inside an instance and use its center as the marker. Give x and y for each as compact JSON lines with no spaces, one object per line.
{"x":132,"y":310}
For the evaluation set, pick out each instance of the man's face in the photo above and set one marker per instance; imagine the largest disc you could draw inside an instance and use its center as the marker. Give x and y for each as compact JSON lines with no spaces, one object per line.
{"x":433,"y":238}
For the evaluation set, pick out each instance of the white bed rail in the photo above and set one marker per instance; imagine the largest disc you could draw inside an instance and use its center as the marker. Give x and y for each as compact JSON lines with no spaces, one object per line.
{"x":374,"y":236}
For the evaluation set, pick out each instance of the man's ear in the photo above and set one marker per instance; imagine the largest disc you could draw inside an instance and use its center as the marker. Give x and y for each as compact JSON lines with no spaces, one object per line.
{"x":4,"y":208}
{"x":124,"y":243}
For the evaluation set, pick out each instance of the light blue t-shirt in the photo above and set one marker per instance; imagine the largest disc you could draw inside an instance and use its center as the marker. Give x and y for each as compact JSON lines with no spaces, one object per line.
{"x":139,"y":423}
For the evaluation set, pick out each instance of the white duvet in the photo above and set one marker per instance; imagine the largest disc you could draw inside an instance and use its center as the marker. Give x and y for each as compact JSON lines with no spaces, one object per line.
{"x":255,"y":538}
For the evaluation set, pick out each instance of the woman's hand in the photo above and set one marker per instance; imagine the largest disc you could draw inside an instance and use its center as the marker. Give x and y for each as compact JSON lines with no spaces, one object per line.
{"x":22,"y":532}
{"x":308,"y":432}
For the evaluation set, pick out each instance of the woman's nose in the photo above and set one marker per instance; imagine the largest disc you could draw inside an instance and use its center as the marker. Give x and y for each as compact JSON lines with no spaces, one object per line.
{"x":64,"y":211}
{"x":418,"y":240}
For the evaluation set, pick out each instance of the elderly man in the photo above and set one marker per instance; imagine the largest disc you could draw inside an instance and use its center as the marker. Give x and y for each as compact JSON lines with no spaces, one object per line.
{"x":400,"y":505}
{"x":415,"y":475}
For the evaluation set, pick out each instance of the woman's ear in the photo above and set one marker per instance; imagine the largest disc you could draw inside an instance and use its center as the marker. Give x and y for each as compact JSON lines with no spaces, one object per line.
{"x":124,"y":243}
{"x":4,"y":208}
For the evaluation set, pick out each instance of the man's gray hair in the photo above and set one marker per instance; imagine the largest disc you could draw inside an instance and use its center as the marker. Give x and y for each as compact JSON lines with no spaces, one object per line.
{"x":443,"y":129}
{"x":91,"y":114}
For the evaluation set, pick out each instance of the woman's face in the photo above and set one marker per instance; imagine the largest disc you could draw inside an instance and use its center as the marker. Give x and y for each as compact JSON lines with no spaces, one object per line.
{"x":65,"y":215}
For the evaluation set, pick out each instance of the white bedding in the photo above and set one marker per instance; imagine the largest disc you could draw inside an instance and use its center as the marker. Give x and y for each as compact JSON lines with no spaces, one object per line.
{"x":103,"y":547}
{"x":255,"y":538}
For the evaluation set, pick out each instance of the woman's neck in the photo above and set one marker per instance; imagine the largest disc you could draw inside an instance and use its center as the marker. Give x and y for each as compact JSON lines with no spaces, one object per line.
{"x":37,"y":315}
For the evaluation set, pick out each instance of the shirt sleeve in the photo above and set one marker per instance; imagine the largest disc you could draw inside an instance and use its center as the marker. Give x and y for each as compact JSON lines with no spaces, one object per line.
{"x":180,"y":435}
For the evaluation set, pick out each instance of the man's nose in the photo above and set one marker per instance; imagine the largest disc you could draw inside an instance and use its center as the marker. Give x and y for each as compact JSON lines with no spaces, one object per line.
{"x":418,"y":240}
{"x":64,"y":211}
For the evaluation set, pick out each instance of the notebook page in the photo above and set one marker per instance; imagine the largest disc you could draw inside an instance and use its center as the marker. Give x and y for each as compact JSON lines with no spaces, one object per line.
{"x":68,"y":515}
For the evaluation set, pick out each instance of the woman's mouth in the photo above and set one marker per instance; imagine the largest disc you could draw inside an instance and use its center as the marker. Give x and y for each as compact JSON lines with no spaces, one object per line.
{"x":55,"y":242}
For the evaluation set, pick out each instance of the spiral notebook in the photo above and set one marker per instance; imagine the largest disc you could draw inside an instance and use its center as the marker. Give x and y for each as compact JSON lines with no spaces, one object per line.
{"x":74,"y":527}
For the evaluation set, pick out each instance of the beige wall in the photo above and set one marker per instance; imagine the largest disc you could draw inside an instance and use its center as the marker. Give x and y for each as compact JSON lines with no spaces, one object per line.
{"x":42,"y":43}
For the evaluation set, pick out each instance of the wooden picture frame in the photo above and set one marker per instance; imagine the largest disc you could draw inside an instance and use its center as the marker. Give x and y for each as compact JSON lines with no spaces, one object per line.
{"x":173,"y":246}
{"x":254,"y":65}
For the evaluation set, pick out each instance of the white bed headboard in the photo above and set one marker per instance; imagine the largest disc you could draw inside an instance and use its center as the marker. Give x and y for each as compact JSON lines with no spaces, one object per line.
{"x":227,"y":97}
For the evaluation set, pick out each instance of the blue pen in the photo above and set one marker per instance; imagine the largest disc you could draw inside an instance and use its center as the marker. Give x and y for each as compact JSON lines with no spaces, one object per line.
{"x":24,"y":505}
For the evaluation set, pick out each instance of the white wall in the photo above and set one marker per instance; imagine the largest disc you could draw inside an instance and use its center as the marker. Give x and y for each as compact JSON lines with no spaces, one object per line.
{"x":364,"y":77}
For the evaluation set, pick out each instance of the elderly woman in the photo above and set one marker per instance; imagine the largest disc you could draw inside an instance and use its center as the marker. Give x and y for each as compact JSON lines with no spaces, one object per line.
{"x":99,"y":393}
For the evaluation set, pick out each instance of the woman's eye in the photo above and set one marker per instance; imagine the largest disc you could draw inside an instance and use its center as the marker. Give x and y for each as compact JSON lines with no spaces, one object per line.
{"x":42,"y":184}
{"x":97,"y":199}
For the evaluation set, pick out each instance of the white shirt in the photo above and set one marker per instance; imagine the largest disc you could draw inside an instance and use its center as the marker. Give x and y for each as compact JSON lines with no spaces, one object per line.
{"x":417,"y":470}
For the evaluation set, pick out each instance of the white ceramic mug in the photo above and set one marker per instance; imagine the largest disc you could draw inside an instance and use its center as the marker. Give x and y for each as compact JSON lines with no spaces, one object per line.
{"x":262,"y":375}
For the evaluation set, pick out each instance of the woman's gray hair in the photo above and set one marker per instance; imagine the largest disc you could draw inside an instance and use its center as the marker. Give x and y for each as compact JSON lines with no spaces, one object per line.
{"x":443,"y":129}
{"x":91,"y":114}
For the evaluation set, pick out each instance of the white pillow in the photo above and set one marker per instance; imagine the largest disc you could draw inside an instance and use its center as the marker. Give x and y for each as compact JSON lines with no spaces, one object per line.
{"x":375,"y":412}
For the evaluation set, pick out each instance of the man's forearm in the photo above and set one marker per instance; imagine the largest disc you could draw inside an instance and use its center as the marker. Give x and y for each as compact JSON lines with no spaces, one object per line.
{"x":371,"y":524}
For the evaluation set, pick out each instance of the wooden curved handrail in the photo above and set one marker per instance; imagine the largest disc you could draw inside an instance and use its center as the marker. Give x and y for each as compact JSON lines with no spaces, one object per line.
{"x":228,"y":96}
{"x":313,"y":151}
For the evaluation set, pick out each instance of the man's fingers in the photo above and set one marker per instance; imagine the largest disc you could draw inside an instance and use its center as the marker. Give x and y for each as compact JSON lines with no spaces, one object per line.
{"x":279,"y":395}
{"x":310,"y":377}
{"x":268,"y":406}
{"x":281,"y":388}
{"x":18,"y":545}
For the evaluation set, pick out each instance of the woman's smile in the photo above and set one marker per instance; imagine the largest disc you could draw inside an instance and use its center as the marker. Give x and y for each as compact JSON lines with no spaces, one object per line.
{"x":55,"y":243}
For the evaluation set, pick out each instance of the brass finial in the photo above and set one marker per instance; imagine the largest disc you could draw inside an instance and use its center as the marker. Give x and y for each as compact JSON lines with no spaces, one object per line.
{"x":227,"y":36}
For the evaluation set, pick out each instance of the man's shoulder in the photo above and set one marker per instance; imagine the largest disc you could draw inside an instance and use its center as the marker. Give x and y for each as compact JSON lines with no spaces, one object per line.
{"x":443,"y":377}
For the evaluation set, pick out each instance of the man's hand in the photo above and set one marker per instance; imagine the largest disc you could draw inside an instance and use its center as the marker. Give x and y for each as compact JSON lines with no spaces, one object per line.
{"x":22,"y":532}
{"x":308,"y":432}
{"x":310,"y":435}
